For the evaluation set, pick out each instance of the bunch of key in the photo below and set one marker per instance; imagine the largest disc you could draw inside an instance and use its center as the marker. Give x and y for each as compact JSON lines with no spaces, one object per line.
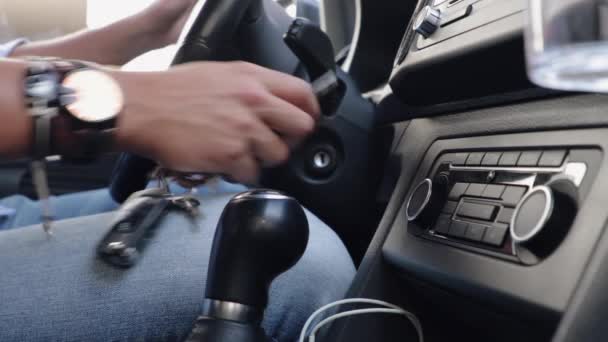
{"x":137,"y":219}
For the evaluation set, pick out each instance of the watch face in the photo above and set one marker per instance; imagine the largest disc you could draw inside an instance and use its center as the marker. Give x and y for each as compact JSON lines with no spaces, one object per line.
{"x":97,"y":97}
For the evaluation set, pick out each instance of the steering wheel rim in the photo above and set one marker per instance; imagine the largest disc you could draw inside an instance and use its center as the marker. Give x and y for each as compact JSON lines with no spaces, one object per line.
{"x":214,"y":25}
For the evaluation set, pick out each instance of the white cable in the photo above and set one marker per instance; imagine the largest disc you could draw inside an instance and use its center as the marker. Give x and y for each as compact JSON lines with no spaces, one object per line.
{"x":342,"y":302}
{"x":413,"y":319}
{"x":395,"y":308}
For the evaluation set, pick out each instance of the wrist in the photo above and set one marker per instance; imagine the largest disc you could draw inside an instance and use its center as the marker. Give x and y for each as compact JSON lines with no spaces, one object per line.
{"x":124,"y":131}
{"x":73,"y":107}
{"x":132,"y":119}
{"x":17,"y":138}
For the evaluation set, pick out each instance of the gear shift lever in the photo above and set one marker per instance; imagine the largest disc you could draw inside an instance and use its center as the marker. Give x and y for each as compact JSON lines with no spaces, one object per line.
{"x":260,"y":235}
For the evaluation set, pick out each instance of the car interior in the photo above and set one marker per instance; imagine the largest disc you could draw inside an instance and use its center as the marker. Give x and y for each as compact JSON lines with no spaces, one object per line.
{"x":464,"y":193}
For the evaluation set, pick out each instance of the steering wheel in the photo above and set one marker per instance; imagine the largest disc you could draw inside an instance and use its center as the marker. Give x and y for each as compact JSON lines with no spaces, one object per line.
{"x":215,"y":35}
{"x":335,"y":172}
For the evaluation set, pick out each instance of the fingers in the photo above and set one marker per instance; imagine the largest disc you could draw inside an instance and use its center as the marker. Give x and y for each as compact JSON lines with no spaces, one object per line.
{"x":291,"y":89}
{"x":245,"y":118}
{"x":267,"y":146}
{"x":245,"y":144}
{"x":244,"y":169}
{"x":292,"y":123}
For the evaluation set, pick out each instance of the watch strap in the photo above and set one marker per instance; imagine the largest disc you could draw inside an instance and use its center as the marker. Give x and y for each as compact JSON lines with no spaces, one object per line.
{"x":42,"y":137}
{"x":79,"y":143}
{"x":55,"y":131}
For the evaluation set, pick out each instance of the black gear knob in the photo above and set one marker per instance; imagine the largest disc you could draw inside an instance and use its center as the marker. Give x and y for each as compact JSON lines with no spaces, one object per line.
{"x":261,"y":234}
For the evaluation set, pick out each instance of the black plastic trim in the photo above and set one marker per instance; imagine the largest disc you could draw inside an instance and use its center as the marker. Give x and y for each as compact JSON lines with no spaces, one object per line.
{"x":376,"y":280}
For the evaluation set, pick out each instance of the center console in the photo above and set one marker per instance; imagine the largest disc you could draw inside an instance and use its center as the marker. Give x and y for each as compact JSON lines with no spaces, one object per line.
{"x":504,"y":217}
{"x":495,"y":220}
{"x":496,"y":225}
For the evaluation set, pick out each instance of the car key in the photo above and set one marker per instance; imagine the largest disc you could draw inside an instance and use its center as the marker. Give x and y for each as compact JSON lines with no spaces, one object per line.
{"x":131,"y":228}
{"x":135,"y":222}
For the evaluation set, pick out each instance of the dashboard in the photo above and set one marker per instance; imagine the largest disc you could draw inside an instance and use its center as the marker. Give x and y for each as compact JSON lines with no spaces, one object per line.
{"x":472,"y":52}
{"x":495,"y":228}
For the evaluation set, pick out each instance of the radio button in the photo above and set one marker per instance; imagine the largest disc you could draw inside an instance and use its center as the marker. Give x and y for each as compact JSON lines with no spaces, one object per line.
{"x":512,"y":195}
{"x":509,"y":159}
{"x":553,"y":158}
{"x":449,"y":207}
{"x":529,"y":158}
{"x":491,"y":159}
{"x":495,"y":235}
{"x":477,"y":211}
{"x":457,"y":190}
{"x":458,"y":229}
{"x":475,"y":189}
{"x":443,"y":224}
{"x":457,"y":159}
{"x":474,"y":232}
{"x":505,"y":215}
{"x":475,"y":159}
{"x":493,"y":191}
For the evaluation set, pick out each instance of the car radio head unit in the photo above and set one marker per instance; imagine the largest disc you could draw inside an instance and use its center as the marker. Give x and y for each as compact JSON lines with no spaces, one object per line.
{"x":515,"y":205}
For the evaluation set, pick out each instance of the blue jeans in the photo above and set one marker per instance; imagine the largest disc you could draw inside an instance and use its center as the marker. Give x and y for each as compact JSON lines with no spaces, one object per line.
{"x":27,"y":212}
{"x":57,"y":290}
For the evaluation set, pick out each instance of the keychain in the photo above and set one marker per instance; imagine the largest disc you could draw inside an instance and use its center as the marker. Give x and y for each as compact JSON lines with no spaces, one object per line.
{"x":137,"y":219}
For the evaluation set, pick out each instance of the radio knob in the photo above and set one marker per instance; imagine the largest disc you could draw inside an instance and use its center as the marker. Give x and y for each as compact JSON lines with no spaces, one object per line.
{"x":426,"y":200}
{"x":427,"y":21}
{"x":543,"y":216}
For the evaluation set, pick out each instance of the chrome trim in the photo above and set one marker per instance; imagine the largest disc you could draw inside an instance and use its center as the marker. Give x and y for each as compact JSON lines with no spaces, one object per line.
{"x":231,"y":311}
{"x":547,"y":211}
{"x":424,"y":203}
{"x":576,"y":172}
{"x":356,"y":36}
{"x":513,"y":169}
{"x":115,"y":247}
{"x":321,"y":160}
{"x":260,"y":194}
{"x":267,"y":196}
{"x":427,"y":21}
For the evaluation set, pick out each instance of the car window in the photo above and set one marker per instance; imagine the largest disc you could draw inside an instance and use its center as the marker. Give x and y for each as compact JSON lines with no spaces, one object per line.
{"x":103,"y":12}
{"x":45,"y":19}
{"x":40,"y":19}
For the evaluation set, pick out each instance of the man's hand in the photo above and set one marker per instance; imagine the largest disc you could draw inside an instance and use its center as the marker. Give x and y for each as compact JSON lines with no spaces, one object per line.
{"x":225,"y":118}
{"x":168,"y":17}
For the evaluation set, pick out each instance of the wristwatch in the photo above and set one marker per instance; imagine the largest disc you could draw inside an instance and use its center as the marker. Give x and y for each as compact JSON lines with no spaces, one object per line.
{"x":74,"y":106}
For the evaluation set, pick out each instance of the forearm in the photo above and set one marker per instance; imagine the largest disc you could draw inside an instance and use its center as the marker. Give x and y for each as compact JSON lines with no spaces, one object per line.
{"x":15,"y":133}
{"x":115,"y":44}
